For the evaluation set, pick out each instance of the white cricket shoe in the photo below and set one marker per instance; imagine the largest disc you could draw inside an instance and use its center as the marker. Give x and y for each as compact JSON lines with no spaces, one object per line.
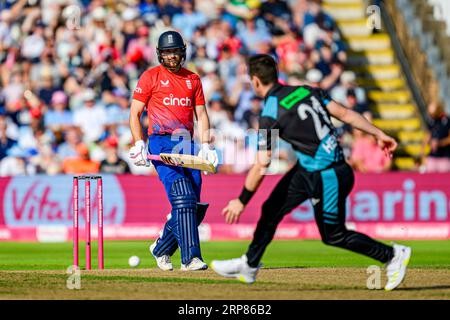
{"x":236,"y":268}
{"x":195,"y":264}
{"x":163,"y":262}
{"x":396,"y":268}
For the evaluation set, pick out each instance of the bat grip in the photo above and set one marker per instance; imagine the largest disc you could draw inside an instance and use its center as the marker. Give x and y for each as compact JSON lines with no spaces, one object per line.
{"x":154,"y":157}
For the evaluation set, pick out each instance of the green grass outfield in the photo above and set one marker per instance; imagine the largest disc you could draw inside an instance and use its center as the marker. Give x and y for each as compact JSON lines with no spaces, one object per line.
{"x":281,"y":253}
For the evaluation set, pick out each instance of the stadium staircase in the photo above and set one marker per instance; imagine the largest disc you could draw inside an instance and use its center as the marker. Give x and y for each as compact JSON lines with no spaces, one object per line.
{"x":372,"y":57}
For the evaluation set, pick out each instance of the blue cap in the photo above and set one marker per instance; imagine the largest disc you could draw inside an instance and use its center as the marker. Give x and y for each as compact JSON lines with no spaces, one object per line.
{"x":120,"y":92}
{"x":216,"y":97}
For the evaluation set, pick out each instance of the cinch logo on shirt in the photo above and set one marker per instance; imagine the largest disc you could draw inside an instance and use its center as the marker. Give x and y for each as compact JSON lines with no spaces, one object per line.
{"x":171,"y":101}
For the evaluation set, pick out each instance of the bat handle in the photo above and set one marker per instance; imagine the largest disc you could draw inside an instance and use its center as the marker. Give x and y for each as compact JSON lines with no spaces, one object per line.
{"x":154,"y":157}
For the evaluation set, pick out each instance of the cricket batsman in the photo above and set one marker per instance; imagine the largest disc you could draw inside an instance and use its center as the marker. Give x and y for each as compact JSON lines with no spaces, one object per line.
{"x":302,"y":116}
{"x":172,"y":96}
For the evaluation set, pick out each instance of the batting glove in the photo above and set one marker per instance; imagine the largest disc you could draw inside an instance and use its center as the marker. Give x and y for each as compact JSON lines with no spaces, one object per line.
{"x":139,"y":154}
{"x":208,"y":152}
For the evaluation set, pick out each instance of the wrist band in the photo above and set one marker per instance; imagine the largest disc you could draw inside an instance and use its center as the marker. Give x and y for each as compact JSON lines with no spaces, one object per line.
{"x":246,"y":195}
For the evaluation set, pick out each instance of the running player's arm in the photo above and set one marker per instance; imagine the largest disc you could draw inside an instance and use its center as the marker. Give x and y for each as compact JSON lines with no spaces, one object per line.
{"x":357,"y":121}
{"x":255,"y":176}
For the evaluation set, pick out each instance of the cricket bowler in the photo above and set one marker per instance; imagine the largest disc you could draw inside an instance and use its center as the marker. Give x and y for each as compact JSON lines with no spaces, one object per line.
{"x":302,"y":116}
{"x":172,"y":95}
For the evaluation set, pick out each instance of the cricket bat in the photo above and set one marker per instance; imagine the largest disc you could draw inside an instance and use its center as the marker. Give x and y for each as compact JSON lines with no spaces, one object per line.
{"x":184,"y":160}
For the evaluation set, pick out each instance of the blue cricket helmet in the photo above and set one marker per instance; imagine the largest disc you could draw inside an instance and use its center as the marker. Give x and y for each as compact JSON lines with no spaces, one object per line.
{"x":171,"y":40}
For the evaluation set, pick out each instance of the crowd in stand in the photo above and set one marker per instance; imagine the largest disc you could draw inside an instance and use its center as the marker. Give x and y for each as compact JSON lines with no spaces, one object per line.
{"x":68,"y":68}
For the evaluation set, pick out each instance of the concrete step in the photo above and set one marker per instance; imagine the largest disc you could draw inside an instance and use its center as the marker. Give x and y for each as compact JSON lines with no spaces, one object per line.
{"x":394,"y":125}
{"x":379,"y":97}
{"x":414,"y":150}
{"x":345,"y":10}
{"x":390,"y":71}
{"x":372,"y":42}
{"x":405,"y":163}
{"x":383,"y":84}
{"x":411,"y":136}
{"x":372,"y":57}
{"x":394,"y":111}
{"x":357,"y":27}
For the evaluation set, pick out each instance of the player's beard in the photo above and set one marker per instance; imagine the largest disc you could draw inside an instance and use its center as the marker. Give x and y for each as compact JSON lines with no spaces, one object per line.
{"x":172,"y":64}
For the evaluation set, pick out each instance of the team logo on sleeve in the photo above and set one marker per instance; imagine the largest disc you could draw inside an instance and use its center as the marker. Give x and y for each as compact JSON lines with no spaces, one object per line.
{"x":138,"y":90}
{"x":189,"y":84}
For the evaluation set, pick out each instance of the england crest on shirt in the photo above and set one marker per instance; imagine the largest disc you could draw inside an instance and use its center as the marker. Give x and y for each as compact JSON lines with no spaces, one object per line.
{"x":189,"y":84}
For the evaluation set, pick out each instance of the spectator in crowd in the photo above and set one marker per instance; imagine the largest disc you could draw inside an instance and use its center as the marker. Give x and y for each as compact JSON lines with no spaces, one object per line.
{"x":168,"y":8}
{"x":91,"y":117}
{"x":112,"y":163}
{"x":242,"y":94}
{"x":218,"y":116}
{"x":254,"y":34}
{"x":139,"y":49}
{"x":6,"y":143}
{"x":274,"y":11}
{"x":316,"y":15}
{"x":330,"y":68}
{"x":235,"y":11}
{"x":348,"y":82}
{"x":45,"y":161}
{"x":237,"y":158}
{"x":68,"y":148}
{"x":81,"y":163}
{"x":63,"y":82}
{"x":58,"y":116}
{"x":438,"y":139}
{"x":34,"y":134}
{"x":314,"y":77}
{"x":228,"y":64}
{"x":230,"y":39}
{"x":189,"y":19}
{"x":46,"y":69}
{"x":129,"y":30}
{"x":6,"y":35}
{"x":209,"y":77}
{"x":332,"y":39}
{"x":353,"y":103}
{"x":13,"y":88}
{"x":251,"y":116}
{"x":34,"y":44}
{"x":118,"y":113}
{"x":16,"y":163}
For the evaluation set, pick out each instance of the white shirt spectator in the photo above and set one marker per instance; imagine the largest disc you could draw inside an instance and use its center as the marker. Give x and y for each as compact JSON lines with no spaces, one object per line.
{"x":15,"y":165}
{"x":92,"y":122}
{"x":33,"y":46}
{"x":91,"y":117}
{"x":339,"y":93}
{"x":14,"y":90}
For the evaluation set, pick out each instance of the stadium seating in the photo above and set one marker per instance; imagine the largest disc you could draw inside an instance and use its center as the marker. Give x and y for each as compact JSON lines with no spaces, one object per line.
{"x":373,"y":59}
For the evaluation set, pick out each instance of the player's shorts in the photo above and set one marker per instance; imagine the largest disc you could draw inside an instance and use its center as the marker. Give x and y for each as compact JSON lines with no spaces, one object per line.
{"x":168,"y":174}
